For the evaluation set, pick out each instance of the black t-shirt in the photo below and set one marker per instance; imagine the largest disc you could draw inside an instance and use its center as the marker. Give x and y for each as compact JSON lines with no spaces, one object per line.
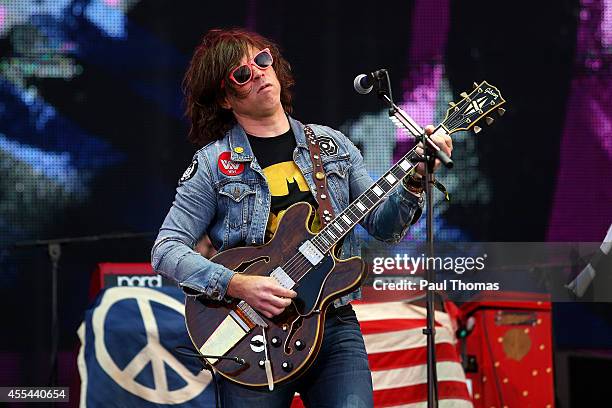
{"x":287,"y":183}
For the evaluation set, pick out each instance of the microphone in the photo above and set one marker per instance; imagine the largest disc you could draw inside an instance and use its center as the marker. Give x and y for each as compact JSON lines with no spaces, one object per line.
{"x":364,"y":83}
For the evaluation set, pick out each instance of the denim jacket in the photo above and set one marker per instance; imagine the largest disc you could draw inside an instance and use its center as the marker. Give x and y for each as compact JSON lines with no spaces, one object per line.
{"x":233,"y":209}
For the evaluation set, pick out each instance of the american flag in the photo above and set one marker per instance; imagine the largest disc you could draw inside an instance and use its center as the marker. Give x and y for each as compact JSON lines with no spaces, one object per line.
{"x":397,"y":352}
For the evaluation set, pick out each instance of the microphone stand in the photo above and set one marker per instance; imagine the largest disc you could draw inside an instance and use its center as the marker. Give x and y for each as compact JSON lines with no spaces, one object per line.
{"x":430,"y":276}
{"x":54,"y":249}
{"x":431,"y":152}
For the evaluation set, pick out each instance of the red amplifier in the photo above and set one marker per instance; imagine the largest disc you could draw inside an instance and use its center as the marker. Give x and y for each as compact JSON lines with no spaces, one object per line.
{"x":508,"y":355}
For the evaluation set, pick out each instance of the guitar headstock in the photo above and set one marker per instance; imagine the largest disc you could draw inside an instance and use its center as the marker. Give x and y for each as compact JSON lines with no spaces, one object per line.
{"x":464,"y":114}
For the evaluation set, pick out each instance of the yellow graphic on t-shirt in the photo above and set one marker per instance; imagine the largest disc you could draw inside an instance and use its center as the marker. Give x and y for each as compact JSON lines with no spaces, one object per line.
{"x":285,"y":179}
{"x":280,"y":173}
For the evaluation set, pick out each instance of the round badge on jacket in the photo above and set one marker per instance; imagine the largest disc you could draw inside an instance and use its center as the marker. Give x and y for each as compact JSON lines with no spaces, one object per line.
{"x":229,"y":167}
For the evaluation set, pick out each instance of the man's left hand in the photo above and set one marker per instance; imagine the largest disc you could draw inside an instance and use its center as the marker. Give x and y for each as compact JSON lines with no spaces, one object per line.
{"x":444,"y":142}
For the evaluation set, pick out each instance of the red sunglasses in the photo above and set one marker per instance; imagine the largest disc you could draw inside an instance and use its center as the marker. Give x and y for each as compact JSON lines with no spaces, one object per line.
{"x":243,"y":73}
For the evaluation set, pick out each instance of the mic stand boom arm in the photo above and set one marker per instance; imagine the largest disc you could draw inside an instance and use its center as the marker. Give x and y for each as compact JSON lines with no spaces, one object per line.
{"x":398,"y":116}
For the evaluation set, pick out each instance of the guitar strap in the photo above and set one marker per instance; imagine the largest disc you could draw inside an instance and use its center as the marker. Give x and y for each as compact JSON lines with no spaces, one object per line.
{"x":325,"y":211}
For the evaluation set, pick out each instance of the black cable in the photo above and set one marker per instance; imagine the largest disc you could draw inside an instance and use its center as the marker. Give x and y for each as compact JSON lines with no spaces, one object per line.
{"x":206,"y":366}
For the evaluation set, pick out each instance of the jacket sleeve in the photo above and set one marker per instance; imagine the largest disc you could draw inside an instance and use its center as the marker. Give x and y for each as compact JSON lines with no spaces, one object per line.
{"x":189,"y":217}
{"x":391,"y":219}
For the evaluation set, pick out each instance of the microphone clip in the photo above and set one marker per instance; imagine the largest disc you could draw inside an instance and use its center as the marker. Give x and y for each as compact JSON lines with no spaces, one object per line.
{"x":379,"y":79}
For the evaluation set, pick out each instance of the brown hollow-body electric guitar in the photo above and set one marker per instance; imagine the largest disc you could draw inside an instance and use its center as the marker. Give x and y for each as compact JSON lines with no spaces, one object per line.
{"x":279,"y":349}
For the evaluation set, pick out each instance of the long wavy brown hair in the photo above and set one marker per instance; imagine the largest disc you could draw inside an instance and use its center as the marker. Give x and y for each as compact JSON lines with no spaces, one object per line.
{"x":218,"y":53}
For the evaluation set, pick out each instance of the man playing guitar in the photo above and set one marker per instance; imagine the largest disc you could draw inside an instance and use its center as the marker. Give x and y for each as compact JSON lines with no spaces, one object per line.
{"x":253,"y":164}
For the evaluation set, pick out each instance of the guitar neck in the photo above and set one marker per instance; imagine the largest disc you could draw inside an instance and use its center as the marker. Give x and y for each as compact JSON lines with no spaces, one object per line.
{"x":331,"y":234}
{"x":462,"y":115}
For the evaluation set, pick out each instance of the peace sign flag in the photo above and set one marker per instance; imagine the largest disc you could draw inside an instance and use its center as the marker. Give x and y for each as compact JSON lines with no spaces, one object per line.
{"x":127,"y":356}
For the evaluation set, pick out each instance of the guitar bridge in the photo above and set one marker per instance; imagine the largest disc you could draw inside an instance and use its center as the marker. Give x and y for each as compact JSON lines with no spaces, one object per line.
{"x":310,"y":252}
{"x":231,"y":330}
{"x":251,"y":314}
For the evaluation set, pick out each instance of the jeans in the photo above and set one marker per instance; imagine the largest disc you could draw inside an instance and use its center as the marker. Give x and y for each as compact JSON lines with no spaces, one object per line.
{"x":339,"y":378}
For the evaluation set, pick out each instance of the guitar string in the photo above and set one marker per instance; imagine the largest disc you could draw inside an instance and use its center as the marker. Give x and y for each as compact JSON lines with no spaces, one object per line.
{"x":297,"y":269}
{"x":294,"y":267}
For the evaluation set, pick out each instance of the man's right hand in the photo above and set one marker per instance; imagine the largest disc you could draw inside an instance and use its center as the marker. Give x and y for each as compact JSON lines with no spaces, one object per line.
{"x":261,"y":292}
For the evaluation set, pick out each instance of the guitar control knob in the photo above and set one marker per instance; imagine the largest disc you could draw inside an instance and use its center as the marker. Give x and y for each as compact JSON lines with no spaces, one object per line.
{"x":261,"y":364}
{"x":287,"y":366}
{"x":275,"y":341}
{"x":299,"y":344}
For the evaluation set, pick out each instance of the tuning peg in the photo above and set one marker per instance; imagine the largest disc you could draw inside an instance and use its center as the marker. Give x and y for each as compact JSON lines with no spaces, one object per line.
{"x":464,"y":94}
{"x":501,"y":111}
{"x":477,"y":129}
{"x":475,"y":85}
{"x":452,"y":104}
{"x":489,"y":120}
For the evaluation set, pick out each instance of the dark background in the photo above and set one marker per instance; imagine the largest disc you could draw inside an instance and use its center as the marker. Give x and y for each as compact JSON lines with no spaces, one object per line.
{"x":120,"y":121}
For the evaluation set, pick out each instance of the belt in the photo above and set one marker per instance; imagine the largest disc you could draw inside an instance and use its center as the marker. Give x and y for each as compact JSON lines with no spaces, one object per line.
{"x":335,"y":311}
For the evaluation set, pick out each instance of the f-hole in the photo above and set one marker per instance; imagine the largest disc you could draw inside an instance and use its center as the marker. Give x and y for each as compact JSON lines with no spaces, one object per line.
{"x":295,"y":326}
{"x":244,"y":265}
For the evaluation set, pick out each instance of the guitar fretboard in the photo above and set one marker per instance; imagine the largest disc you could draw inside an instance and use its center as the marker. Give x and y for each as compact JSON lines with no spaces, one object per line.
{"x":331,"y":234}
{"x":462,"y":115}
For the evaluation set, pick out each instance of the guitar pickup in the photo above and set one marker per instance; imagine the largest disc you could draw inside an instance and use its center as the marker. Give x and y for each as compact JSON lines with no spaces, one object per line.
{"x":310,"y":252}
{"x":283,"y":279}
